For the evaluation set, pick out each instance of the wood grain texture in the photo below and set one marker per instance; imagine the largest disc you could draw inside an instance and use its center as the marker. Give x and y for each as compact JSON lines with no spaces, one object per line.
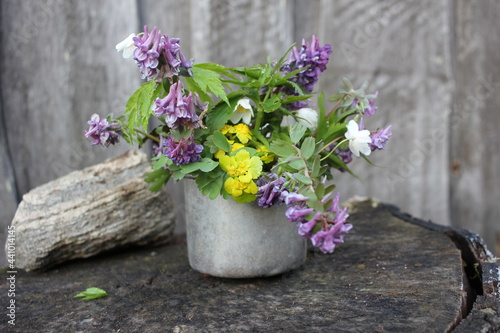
{"x":59,"y":67}
{"x":475,"y":178}
{"x":427,"y":59}
{"x":241,"y":32}
{"x":390,"y":276}
{"x":97,"y":209}
{"x":404,"y":52}
{"x":8,"y":191}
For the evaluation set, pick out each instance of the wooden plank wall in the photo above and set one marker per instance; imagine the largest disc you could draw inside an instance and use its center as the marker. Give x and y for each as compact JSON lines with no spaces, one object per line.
{"x":434,"y":62}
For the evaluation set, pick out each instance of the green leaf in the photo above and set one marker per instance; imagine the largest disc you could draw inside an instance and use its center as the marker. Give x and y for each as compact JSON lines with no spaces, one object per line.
{"x":296,"y":163}
{"x":159,"y":182}
{"x":193,"y":86}
{"x":302,"y":178}
{"x":260,"y":137}
{"x":330,"y":188}
{"x":160,"y":162}
{"x":307,"y":148}
{"x":292,"y":98}
{"x":316,"y":204}
{"x":347,"y":83}
{"x":282,"y":148}
{"x":221,"y":112}
{"x":205,"y":165}
{"x":320,"y":190}
{"x":150,"y":177}
{"x":335,"y":131}
{"x":178,"y":175}
{"x":216,"y":68}
{"x":210,"y":184}
{"x":209,"y":81}
{"x":297,"y":131}
{"x":138,"y":107}
{"x":315,"y":171}
{"x":272,"y":104}
{"x":221,"y":142}
{"x":146,"y":107}
{"x":91,"y":293}
{"x":322,"y":121}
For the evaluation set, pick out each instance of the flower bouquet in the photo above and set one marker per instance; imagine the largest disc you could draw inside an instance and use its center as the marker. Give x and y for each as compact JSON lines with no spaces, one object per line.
{"x":250,"y":134}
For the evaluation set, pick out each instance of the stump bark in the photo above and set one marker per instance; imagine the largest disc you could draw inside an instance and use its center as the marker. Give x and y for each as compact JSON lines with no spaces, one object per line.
{"x":87,"y":212}
{"x":393,"y":274}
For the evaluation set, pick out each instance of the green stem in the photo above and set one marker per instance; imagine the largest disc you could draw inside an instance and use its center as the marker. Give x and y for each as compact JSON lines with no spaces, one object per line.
{"x":336,"y":106}
{"x":331,"y":151}
{"x":149,"y":136}
{"x":260,"y":111}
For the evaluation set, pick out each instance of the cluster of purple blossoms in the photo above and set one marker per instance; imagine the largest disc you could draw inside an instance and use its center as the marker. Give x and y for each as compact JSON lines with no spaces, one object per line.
{"x":380,"y":138}
{"x":184,"y":151}
{"x":271,"y":191}
{"x":332,"y":222}
{"x":159,"y":56}
{"x":312,"y":55}
{"x":179,"y":110}
{"x":102,"y":131}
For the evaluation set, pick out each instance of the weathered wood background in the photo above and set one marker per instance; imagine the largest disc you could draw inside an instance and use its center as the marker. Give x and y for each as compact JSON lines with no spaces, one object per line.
{"x":436,"y":64}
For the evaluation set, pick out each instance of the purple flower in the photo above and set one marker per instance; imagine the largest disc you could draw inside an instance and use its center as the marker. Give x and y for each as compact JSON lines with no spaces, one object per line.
{"x":344,"y":154}
{"x":296,"y":213}
{"x":312,"y":55}
{"x":102,"y":131}
{"x":174,"y":58}
{"x":270,"y":190}
{"x":159,"y":56}
{"x":370,"y":109}
{"x":147,"y":52}
{"x":293,"y":197}
{"x":305,"y":229}
{"x":380,"y":138}
{"x":184,"y":151}
{"x":331,"y":223}
{"x":179,"y":110}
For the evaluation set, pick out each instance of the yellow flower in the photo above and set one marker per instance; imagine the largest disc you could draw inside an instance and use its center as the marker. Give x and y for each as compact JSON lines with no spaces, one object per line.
{"x":236,"y":188}
{"x":241,"y":165}
{"x":236,"y":146}
{"x":243,"y":133}
{"x":266,"y":158}
{"x":227,"y":129}
{"x":219,"y":154}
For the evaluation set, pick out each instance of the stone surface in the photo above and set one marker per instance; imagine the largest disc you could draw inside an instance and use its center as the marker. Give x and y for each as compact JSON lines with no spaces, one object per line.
{"x":393,"y":274}
{"x":239,"y":241}
{"x":90,"y":211}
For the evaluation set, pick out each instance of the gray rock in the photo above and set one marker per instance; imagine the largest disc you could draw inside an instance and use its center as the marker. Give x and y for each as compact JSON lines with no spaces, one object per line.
{"x":91,"y":211}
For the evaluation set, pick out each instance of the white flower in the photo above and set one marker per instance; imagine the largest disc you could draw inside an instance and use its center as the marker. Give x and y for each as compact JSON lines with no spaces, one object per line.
{"x":288,"y":121}
{"x":358,"y":140}
{"x":127,"y":46}
{"x":308,"y":117}
{"x":243,"y":110}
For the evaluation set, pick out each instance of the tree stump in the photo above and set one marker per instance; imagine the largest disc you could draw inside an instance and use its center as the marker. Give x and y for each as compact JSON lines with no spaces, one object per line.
{"x":86,"y":212}
{"x":394,"y":273}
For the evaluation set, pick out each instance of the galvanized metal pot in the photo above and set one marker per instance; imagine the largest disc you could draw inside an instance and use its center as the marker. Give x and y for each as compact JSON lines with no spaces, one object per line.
{"x":233,"y":240}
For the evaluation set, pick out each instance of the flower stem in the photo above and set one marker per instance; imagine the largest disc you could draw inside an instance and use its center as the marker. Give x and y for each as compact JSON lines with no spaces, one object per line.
{"x":331,"y":151}
{"x":336,"y":106}
{"x":149,"y":136}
